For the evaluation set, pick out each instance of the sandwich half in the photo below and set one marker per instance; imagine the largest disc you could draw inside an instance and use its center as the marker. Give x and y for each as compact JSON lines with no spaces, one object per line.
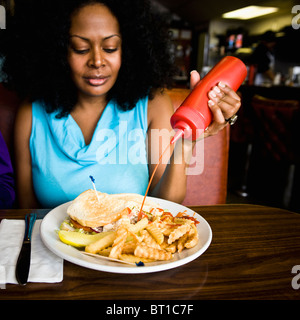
{"x":96,"y":212}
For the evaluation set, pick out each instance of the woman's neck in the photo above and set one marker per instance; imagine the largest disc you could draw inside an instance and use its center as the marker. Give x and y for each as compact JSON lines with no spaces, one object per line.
{"x":89,"y":103}
{"x":87,"y":113}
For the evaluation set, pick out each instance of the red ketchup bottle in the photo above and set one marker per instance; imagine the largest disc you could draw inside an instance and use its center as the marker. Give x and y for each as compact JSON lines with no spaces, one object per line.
{"x":194,"y":116}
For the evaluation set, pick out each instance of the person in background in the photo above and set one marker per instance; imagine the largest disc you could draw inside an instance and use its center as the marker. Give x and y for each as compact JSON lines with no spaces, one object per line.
{"x":7,"y":191}
{"x":264,"y":60}
{"x":94,"y":73}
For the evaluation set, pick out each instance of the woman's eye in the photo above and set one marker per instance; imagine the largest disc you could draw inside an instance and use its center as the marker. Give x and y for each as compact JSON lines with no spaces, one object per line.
{"x":80,"y":51}
{"x":110,"y":50}
{"x":84,"y":51}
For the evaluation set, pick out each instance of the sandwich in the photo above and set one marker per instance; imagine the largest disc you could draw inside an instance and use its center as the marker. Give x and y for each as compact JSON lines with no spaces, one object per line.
{"x":94,"y":211}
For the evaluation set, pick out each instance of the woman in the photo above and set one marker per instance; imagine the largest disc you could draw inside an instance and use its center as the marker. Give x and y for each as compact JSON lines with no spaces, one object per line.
{"x":264,"y":60}
{"x":96,"y":104}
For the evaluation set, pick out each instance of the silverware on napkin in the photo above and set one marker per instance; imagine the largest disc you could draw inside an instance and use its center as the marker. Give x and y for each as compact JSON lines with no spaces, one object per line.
{"x":23,"y":263}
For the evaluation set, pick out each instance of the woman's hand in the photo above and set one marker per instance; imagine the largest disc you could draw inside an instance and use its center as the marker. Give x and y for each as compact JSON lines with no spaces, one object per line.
{"x":224,"y":103}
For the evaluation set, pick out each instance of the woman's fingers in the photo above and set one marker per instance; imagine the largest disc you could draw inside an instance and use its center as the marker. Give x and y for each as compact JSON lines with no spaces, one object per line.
{"x":226,"y":99}
{"x":194,"y":79}
{"x":223,"y":102}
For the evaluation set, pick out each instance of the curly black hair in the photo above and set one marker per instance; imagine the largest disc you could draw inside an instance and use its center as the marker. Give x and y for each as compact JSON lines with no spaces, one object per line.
{"x":37,"y":40}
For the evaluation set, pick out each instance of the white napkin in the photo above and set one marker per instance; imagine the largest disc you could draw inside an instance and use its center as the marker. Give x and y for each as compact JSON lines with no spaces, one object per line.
{"x":45,"y":266}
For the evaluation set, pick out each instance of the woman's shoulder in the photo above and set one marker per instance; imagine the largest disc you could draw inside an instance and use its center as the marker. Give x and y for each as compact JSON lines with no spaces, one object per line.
{"x":23,"y":121}
{"x":24,"y":110}
{"x":27,"y":111}
{"x":160,"y":108}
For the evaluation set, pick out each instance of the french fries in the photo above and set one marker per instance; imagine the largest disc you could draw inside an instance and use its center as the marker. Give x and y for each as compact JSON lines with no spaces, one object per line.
{"x":101,"y":244}
{"x":143,"y":251}
{"x":155,"y":232}
{"x":140,"y":225}
{"x":119,"y":241}
{"x":147,"y":240}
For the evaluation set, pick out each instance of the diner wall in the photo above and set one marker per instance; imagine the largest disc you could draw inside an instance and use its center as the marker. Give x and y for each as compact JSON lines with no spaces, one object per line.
{"x":266,"y":24}
{"x":250,"y":29}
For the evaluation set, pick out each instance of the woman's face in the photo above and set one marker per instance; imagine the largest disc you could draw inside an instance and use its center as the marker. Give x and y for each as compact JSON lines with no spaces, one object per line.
{"x":94,"y":53}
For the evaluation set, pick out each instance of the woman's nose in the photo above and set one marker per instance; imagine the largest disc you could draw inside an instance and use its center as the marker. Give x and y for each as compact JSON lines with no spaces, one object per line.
{"x":96,"y":60}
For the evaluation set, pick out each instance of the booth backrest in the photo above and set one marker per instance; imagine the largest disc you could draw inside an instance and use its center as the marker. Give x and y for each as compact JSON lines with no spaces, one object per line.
{"x":208,"y":187}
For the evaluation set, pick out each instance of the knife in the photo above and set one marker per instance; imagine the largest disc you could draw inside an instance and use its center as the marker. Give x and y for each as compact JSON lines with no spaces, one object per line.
{"x":23,"y":263}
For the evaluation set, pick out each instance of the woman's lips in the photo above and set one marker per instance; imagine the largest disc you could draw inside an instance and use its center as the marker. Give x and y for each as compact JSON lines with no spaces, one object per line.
{"x":96,"y":81}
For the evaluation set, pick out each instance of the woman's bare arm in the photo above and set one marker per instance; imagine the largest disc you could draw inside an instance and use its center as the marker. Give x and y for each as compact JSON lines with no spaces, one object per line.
{"x":25,"y":192}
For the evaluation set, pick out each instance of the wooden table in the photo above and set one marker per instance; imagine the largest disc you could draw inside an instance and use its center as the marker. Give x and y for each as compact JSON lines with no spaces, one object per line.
{"x":252,"y":254}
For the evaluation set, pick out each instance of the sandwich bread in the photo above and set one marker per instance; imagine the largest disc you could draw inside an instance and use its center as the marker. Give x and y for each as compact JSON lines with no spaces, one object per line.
{"x":92,"y":211}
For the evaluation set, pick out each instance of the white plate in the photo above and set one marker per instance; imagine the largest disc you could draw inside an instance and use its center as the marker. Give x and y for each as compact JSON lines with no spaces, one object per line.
{"x":54,"y":218}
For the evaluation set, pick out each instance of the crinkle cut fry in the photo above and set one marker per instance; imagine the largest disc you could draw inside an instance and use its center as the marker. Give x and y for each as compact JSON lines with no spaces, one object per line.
{"x":193,"y":237}
{"x":144,"y":251}
{"x":155,"y":232}
{"x":172,"y":247}
{"x":181,"y":242}
{"x":129,"y":247}
{"x":133,"y":259}
{"x":118,"y":244}
{"x":149,"y":240}
{"x":178,"y":232}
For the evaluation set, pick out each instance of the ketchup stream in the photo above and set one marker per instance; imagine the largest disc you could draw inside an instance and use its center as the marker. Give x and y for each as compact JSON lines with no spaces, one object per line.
{"x":150,"y":181}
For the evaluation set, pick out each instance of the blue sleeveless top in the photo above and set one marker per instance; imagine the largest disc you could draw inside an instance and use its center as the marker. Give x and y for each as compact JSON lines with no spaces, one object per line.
{"x":116,"y":156}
